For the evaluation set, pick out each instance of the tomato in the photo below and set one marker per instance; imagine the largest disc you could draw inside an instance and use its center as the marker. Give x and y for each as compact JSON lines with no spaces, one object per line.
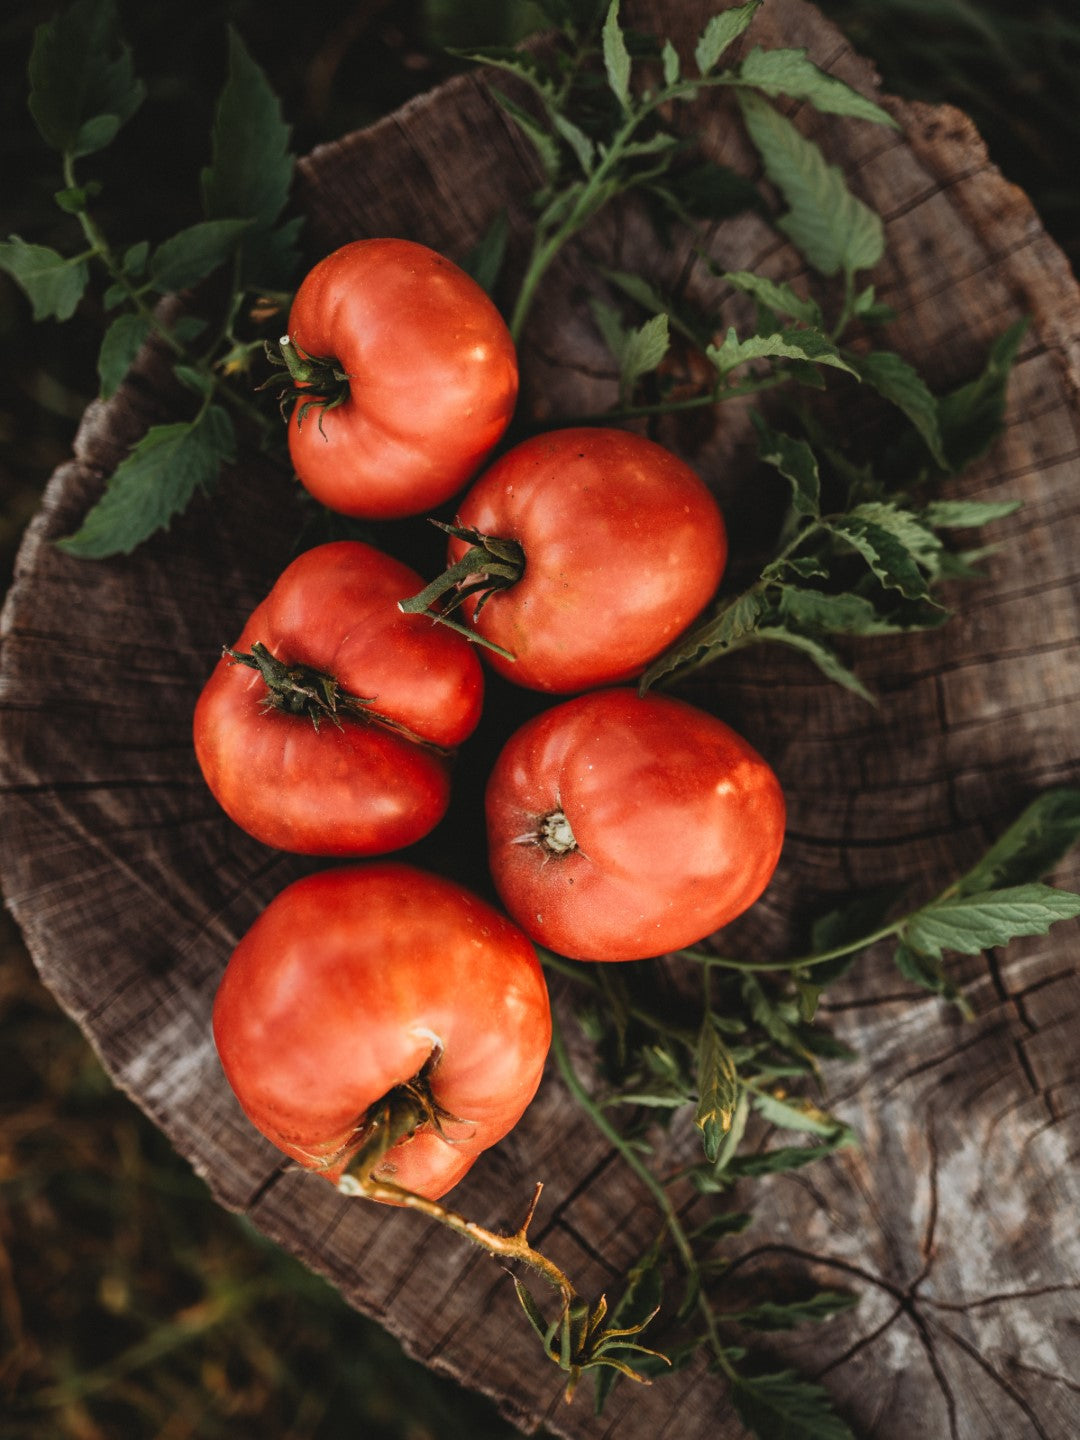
{"x":418,"y":374}
{"x":347,"y":754}
{"x":363,"y":980}
{"x":622,"y":826}
{"x":620,"y":546}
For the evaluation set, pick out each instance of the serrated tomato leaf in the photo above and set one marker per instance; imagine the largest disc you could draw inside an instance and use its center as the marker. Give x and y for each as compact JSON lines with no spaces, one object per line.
{"x":972,"y":922}
{"x":195,"y":252}
{"x":832,"y":228}
{"x":53,"y":284}
{"x":792,"y":73}
{"x":154,"y":483}
{"x":1030,"y":848}
{"x":82,"y":87}
{"x":251,"y":167}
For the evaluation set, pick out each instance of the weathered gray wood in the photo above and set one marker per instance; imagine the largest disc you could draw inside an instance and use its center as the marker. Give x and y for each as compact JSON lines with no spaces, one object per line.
{"x":957,"y":1218}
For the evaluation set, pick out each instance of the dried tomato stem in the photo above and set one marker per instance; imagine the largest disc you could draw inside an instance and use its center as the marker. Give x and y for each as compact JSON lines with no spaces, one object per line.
{"x":555,"y":834}
{"x":503,"y":1247}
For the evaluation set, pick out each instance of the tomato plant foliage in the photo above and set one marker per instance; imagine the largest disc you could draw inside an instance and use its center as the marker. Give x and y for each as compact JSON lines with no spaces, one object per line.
{"x":412,"y":990}
{"x":327,"y":727}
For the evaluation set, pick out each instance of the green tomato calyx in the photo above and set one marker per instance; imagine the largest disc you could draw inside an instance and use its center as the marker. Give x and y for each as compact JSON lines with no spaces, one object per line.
{"x":311,"y":382}
{"x":400,"y":1113}
{"x":491,"y":563}
{"x":303,"y":691}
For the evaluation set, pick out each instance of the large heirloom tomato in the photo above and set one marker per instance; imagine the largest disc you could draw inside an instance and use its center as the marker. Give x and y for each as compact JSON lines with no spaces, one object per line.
{"x":601,"y":548}
{"x":621,"y":826}
{"x":414,"y":378}
{"x":364,"y":986}
{"x":326,"y":729}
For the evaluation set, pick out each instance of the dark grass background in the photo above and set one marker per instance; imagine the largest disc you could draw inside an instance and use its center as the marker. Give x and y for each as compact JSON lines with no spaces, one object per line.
{"x":131,"y":1307}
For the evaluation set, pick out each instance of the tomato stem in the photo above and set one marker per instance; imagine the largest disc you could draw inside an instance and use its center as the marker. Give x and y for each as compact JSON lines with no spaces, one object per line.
{"x":578,"y":1338}
{"x":555,"y":834}
{"x":316,"y":382}
{"x":304,"y":691}
{"x":301,"y":689}
{"x":491,"y":563}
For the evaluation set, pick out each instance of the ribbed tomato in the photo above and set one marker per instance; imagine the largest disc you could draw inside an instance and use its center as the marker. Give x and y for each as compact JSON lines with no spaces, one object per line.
{"x":407,"y":378}
{"x":327,"y":728}
{"x":363,"y":986}
{"x":623,"y":826}
{"x":583,"y":553}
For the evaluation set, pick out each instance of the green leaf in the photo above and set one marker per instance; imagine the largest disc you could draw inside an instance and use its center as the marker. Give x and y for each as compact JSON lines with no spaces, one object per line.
{"x":905,"y":526}
{"x":155,"y":482}
{"x":967,"y":514}
{"x":719,"y":33}
{"x":575,"y":137}
{"x":970,"y":418}
{"x":135,"y":260}
{"x":76,"y":198}
{"x":795,"y":1114}
{"x":82,"y":88}
{"x":669,"y":58}
{"x":782,"y":1406}
{"x":843,"y":613}
{"x":775,"y":295}
{"x":825,"y":658}
{"x":928,"y":973}
{"x":707,"y":192}
{"x":780,"y":1315}
{"x":54,"y":285}
{"x":670,"y":1101}
{"x":638,"y":1302}
{"x":544,"y":143}
{"x":901,"y":384}
{"x":251,"y":167}
{"x":121,"y":343}
{"x":484,"y":261}
{"x":616,"y":56}
{"x":188,"y":257}
{"x":887,"y":551}
{"x":796,"y":461}
{"x":650,"y":299}
{"x":727,"y":1222}
{"x":732,"y":626}
{"x":831,"y":227}
{"x":973,"y":922}
{"x":519,"y":63}
{"x":790,"y":72}
{"x":532,"y":1310}
{"x":787,"y":1157}
{"x":809,"y":345}
{"x":718,"y":1088}
{"x":1031,"y":847}
{"x":199,"y":382}
{"x":638,"y":351}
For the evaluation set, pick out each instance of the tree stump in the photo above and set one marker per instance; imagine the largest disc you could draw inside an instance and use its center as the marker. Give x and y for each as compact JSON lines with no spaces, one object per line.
{"x":956,"y":1220}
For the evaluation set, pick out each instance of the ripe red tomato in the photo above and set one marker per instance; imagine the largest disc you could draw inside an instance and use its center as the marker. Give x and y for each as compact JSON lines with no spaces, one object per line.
{"x":361,"y":980}
{"x":622,"y":545}
{"x":426,"y":381}
{"x":370,"y":775}
{"x":621,"y":826}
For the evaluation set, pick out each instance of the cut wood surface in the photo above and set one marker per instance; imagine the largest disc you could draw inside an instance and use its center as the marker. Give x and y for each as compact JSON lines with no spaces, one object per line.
{"x":956,"y":1219}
